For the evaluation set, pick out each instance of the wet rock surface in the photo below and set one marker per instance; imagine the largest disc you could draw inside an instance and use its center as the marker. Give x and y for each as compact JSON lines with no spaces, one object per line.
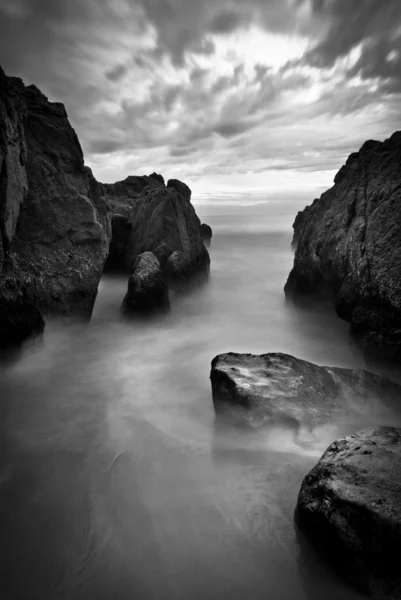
{"x":350,"y":506}
{"x":277,"y":388}
{"x":348,"y":246}
{"x":147,"y":287}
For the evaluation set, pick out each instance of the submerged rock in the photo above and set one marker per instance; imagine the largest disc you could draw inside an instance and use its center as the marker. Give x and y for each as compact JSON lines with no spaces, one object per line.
{"x":348,"y":246}
{"x":277,"y":388}
{"x":147,"y":288}
{"x":350,"y":505}
{"x":54,"y":225}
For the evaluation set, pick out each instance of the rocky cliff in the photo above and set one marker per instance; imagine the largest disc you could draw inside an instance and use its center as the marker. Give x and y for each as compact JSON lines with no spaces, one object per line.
{"x":54,"y":224}
{"x":348,"y":245}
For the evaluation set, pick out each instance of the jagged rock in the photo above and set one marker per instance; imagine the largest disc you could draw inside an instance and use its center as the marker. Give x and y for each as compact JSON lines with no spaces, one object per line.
{"x":157,"y":177}
{"x":350,"y":505}
{"x":206,"y":232}
{"x":277,"y":388}
{"x":349,"y":245}
{"x":123,"y":194}
{"x":120,"y":233}
{"x":165,"y":223}
{"x":147,"y":288}
{"x":54,"y":219}
{"x":181,"y":188}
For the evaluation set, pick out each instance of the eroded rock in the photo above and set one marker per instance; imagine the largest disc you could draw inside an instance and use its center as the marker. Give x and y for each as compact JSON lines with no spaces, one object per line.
{"x":350,"y":506}
{"x":54,"y":220}
{"x":348,"y":246}
{"x":164,"y":222}
{"x":147,"y":287}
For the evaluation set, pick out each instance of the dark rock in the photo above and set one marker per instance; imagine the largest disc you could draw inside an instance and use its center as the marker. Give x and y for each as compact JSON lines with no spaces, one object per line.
{"x":278,"y":388}
{"x":19,"y":317}
{"x":147,"y":288}
{"x":54,"y":220}
{"x":348,"y":246}
{"x":181,"y":188}
{"x":206,"y":232}
{"x":157,"y":177}
{"x":350,"y":505}
{"x":165,"y":223}
{"x":120,"y":232}
{"x":123,"y":194}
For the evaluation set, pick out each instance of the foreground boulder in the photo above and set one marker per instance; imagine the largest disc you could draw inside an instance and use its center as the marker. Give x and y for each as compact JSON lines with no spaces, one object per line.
{"x":147,"y":288}
{"x":350,"y":505}
{"x":54,"y":225}
{"x":348,"y":246}
{"x":277,"y":388}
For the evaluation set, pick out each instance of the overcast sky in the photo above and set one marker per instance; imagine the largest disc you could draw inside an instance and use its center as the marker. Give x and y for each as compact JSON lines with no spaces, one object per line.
{"x":232,"y":96}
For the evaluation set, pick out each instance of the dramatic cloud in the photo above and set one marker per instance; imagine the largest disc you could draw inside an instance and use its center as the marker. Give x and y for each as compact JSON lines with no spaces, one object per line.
{"x":264,"y":96}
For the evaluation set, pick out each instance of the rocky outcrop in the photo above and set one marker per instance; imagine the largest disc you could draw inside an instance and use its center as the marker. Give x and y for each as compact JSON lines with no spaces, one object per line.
{"x":147,"y":288}
{"x":164,"y":222}
{"x":350,"y":505}
{"x":53,"y":216}
{"x":206,"y":232}
{"x":277,"y":388}
{"x":348,"y":245}
{"x":123,"y":194}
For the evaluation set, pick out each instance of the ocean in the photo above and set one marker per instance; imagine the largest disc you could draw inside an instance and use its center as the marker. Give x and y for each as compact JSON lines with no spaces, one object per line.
{"x":115,"y":481}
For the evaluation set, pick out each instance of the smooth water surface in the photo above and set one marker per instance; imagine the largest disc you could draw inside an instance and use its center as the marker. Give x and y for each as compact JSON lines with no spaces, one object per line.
{"x":115,"y":481}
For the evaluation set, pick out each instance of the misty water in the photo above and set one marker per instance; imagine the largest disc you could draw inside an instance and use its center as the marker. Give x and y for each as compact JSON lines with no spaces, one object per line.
{"x":115,"y":481}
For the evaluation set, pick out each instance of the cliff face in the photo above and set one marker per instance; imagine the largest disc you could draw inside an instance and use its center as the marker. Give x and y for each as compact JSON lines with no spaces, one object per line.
{"x":348,"y":244}
{"x":54,"y":224}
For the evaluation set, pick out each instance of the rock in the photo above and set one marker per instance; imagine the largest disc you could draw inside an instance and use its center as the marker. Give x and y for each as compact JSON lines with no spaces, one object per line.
{"x":181,"y":188}
{"x":206,"y":232}
{"x":123,"y":194}
{"x":19,"y":317}
{"x":350,"y":505}
{"x":147,"y":288}
{"x":277,"y":388}
{"x":54,"y":219}
{"x":348,"y":246}
{"x":165,"y":223}
{"x":157,"y":177}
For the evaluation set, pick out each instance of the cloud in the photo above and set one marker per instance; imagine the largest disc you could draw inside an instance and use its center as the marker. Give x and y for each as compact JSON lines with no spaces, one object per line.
{"x":212,"y":89}
{"x":116,"y":73}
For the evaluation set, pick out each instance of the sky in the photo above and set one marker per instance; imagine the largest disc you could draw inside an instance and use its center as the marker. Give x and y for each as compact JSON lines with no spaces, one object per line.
{"x":242,"y":100}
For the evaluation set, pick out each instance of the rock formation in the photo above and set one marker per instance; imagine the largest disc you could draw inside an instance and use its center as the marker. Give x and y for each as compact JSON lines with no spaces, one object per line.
{"x":348,"y":245}
{"x":350,"y":505}
{"x":277,"y":388}
{"x":54,"y":228}
{"x":165,"y":222}
{"x":206,"y":232}
{"x":147,"y":288}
